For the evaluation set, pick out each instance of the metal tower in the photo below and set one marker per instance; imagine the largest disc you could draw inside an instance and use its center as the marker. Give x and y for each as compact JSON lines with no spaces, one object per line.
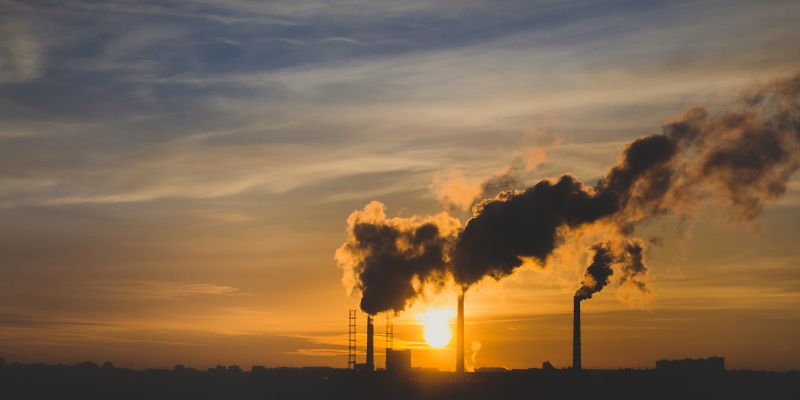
{"x":389,"y":332}
{"x":351,"y":342}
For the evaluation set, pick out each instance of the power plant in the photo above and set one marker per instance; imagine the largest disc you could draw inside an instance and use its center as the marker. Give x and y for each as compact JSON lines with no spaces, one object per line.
{"x":396,"y":360}
{"x":576,"y":334}
{"x":369,"y":365}
{"x":400,"y":360}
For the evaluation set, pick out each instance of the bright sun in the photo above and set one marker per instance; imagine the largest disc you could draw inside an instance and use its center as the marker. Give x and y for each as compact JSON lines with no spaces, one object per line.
{"x":437,"y":326}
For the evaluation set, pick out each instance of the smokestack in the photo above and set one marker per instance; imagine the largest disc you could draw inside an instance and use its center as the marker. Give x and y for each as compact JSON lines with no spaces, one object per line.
{"x":460,"y":336}
{"x":576,"y":334}
{"x":370,"y":345}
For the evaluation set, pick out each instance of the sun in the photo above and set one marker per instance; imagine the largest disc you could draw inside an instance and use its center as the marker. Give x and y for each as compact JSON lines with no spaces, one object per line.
{"x":437,"y":326}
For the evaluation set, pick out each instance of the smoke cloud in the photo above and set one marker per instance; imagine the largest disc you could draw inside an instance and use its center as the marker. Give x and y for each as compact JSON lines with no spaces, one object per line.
{"x":741,"y":158}
{"x":597,"y":274}
{"x":456,"y":192}
{"x":475,"y":347}
{"x":389,"y":259}
{"x":628,"y":259}
{"x":521,"y":224}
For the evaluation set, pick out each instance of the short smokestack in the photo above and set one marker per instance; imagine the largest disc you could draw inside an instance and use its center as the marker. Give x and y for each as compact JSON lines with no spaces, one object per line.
{"x":460,"y":336}
{"x":370,"y":345}
{"x":576,"y":334}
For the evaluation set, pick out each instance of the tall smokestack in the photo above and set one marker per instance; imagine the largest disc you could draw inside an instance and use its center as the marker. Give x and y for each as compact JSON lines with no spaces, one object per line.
{"x":460,"y":336}
{"x":576,"y":334}
{"x":370,"y":345}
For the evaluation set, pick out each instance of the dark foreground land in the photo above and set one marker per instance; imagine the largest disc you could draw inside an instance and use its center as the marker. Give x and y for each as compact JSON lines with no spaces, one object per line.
{"x":93,"y":382}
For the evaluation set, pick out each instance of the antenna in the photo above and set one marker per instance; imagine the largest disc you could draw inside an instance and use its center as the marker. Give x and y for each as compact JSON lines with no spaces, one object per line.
{"x":351,"y":342}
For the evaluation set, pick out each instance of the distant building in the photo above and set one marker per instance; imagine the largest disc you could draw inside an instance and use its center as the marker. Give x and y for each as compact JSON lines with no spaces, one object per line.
{"x":234,"y":368}
{"x":547,"y":366}
{"x":218,"y":368}
{"x":398,"y":360}
{"x":491,"y":369}
{"x":258,"y":369}
{"x":108,"y":365}
{"x":692,"y":364}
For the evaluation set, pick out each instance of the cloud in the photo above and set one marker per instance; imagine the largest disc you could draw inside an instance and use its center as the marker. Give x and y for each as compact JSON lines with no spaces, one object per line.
{"x":275,"y":128}
{"x":160,"y":290}
{"x":20,"y":52}
{"x":20,"y":321}
{"x":319,"y":352}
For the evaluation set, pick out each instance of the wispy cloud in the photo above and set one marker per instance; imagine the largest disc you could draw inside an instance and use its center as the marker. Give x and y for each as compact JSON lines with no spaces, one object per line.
{"x":20,"y":52}
{"x":275,"y":129}
{"x":319,"y":352}
{"x":159,"y":290}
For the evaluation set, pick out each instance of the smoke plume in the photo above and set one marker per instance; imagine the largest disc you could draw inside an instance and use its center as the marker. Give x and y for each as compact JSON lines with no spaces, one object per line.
{"x":626,"y":256}
{"x":389,"y":259}
{"x":521,"y":224}
{"x":741,"y":158}
{"x":456,"y":192}
{"x":475,"y":347}
{"x":597,"y":274}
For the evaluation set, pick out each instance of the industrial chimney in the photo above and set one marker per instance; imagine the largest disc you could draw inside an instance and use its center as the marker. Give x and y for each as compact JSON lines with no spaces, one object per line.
{"x":370,"y":345}
{"x":576,"y":334}
{"x":460,"y":336}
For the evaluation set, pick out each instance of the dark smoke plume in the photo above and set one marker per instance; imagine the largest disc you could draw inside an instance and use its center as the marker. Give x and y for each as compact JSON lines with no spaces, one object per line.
{"x":627,"y":257}
{"x":633,"y":265}
{"x":742,"y":158}
{"x":388,"y":259}
{"x":522,"y":224}
{"x":597,"y":274}
{"x":496,"y":184}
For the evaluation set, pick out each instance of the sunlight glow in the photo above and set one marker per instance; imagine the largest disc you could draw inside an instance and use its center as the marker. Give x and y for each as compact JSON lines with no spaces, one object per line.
{"x":437,"y":326}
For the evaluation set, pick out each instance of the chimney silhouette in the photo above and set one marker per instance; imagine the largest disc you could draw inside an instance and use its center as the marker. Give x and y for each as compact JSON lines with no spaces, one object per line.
{"x":576,"y":334}
{"x":460,"y":336}
{"x":370,"y":344}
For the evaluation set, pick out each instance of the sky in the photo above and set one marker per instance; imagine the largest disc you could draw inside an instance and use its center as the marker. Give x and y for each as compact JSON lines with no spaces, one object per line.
{"x":176,"y":176}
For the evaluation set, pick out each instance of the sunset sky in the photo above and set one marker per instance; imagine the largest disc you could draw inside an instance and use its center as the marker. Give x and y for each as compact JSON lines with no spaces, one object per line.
{"x":176,"y":175}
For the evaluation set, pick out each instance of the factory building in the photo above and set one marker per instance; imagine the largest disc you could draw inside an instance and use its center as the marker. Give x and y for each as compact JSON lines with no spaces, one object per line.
{"x":398,"y":361}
